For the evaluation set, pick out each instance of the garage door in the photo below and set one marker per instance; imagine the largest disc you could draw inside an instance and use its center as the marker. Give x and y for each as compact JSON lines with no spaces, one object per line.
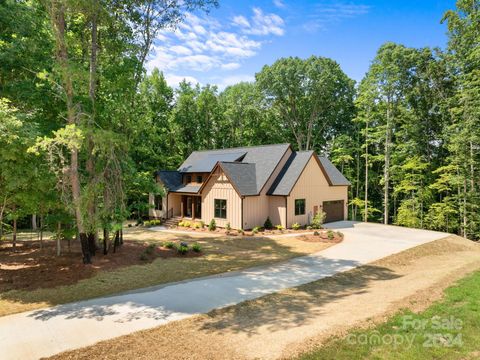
{"x":334,"y":210}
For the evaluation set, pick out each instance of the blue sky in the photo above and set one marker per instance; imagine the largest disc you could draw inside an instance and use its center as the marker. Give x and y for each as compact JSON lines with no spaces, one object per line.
{"x":233,"y":42}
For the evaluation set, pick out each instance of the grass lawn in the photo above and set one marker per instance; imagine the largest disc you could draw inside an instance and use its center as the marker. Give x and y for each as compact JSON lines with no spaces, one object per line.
{"x":221,"y":254}
{"x":449,"y":329}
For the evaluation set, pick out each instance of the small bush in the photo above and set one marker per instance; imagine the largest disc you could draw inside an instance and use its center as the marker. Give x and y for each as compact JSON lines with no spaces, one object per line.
{"x":296,"y":226}
{"x":182,"y":249}
{"x":309,"y":227}
{"x":155,"y":222}
{"x":143,"y":256}
{"x":228,"y":227}
{"x":318,"y":220}
{"x":146,"y":223}
{"x":268,"y":224}
{"x":340,"y":234}
{"x":150,"y":248}
{"x":279,"y":227}
{"x":316,"y":233}
{"x":180,"y":223}
{"x":186,"y":223}
{"x":169,"y":245}
{"x":196,"y":247}
{"x":202,"y":224}
{"x":240,"y":232}
{"x":213,"y":225}
{"x":196,"y":225}
{"x":330,"y":235}
{"x":257,"y":229}
{"x":129,"y":225}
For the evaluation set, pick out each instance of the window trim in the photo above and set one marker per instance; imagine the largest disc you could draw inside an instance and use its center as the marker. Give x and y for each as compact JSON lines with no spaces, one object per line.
{"x":220,"y":208}
{"x":199,"y":177}
{"x":155,"y":202}
{"x":188,"y":179}
{"x":299,"y":213}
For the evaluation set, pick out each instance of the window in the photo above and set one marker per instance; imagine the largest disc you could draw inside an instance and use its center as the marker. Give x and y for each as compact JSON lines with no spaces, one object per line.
{"x":199,"y":178}
{"x":299,"y":206}
{"x":189,"y":179}
{"x":158,"y":202}
{"x":220,"y":208}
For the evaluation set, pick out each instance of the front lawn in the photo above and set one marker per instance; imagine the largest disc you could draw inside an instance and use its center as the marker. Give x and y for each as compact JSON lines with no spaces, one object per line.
{"x":449,"y":329}
{"x":33,"y":278}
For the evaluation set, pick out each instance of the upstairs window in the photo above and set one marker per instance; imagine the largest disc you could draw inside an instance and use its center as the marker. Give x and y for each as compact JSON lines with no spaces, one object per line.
{"x":199,"y":178}
{"x":299,"y":206}
{"x":188,"y":179}
{"x":220,"y":208}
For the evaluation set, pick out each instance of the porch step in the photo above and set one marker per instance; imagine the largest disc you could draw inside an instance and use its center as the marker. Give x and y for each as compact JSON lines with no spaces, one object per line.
{"x":173,"y":221}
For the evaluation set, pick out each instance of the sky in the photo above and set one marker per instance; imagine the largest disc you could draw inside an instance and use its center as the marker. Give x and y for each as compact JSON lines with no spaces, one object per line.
{"x":233,"y":42}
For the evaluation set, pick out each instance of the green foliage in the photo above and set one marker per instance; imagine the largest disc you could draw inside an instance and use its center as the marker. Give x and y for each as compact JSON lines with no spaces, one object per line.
{"x":228,"y":227}
{"x":182,"y":249}
{"x":212,"y":226}
{"x":296,"y":226}
{"x":150,"y":249}
{"x":169,"y":245}
{"x":279,"y":227}
{"x":196,"y":248}
{"x":330,"y":234}
{"x":257,"y":229}
{"x":147,"y":223}
{"x":268,"y":224}
{"x":240,"y":231}
{"x":318,"y":220}
{"x":316,"y":233}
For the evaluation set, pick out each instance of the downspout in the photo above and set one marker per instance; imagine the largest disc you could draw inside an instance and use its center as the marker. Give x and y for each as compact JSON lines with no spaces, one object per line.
{"x":241,"y":213}
{"x":166,"y":217}
{"x":286,"y":212}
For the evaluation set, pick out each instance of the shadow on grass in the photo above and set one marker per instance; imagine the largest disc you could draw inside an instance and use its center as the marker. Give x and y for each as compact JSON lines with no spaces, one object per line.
{"x":67,"y":280}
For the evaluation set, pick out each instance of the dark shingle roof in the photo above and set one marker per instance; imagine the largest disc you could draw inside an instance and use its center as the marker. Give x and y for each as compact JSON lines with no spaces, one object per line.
{"x":206,"y":161}
{"x":265,"y":158}
{"x":173,"y":182}
{"x":290,"y":173}
{"x":242,"y":175}
{"x":335,"y":176}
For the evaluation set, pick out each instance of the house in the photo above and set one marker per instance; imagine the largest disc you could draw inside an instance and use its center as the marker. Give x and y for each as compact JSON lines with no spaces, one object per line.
{"x":243,"y":186}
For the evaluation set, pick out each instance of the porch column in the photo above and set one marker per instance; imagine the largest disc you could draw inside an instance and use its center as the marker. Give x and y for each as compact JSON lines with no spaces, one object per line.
{"x":181,"y":208}
{"x":193,"y":207}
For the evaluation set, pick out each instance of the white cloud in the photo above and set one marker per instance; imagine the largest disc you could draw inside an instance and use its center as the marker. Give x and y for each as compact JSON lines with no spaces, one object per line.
{"x":261,"y":24}
{"x":279,"y":3}
{"x":234,"y":79}
{"x":324,"y":14}
{"x":181,"y":50}
{"x":230,"y":66}
{"x":174,"y":80}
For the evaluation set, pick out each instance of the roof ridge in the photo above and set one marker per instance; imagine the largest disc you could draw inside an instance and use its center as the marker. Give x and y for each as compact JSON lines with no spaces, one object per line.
{"x":240,"y":147}
{"x":236,"y":162}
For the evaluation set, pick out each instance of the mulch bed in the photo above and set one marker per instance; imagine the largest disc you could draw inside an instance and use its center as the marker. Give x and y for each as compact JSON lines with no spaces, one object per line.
{"x":30,"y":267}
{"x":322,"y":237}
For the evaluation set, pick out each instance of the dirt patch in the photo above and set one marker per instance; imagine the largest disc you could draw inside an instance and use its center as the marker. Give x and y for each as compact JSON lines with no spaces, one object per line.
{"x":323,"y":236}
{"x":31,"y":267}
{"x":287,"y":323}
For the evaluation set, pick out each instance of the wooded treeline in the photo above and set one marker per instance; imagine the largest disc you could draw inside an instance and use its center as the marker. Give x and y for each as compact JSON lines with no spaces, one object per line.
{"x":83,"y":126}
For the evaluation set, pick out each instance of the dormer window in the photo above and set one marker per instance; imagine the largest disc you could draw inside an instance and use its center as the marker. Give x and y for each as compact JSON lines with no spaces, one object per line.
{"x":199,"y":179}
{"x":189,"y":179}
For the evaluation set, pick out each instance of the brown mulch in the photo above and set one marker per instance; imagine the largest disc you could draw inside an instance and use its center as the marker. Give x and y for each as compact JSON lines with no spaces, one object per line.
{"x":323,"y":237}
{"x":30,"y":267}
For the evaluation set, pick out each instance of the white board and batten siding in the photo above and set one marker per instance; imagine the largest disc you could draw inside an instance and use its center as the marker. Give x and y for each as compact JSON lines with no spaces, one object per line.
{"x":314,"y":188}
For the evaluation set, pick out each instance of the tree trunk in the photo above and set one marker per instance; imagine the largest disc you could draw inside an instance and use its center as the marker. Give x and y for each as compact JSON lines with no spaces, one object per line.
{"x":366,"y":172}
{"x":34,"y":222}
{"x":41,"y":231}
{"x":121,"y":237}
{"x":105,"y":241}
{"x":14,"y":236}
{"x":116,"y":241}
{"x":92,"y":247}
{"x":388,"y":140}
{"x":57,"y":14}
{"x":59,"y":230}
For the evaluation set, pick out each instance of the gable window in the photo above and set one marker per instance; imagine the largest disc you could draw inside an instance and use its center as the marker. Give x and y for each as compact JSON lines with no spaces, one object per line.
{"x":199,"y":178}
{"x":158,"y":202}
{"x":220,"y":208}
{"x":189,"y":179}
{"x":299,"y":206}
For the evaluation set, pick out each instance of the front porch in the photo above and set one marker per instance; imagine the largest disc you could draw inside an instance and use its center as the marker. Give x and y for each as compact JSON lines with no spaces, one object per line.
{"x":184,"y":206}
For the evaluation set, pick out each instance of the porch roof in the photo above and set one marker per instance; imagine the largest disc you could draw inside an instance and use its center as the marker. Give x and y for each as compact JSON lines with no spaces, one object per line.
{"x":173,"y":182}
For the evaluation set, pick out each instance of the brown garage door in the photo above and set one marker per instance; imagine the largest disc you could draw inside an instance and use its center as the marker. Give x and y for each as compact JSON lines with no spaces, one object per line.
{"x":334,"y":210}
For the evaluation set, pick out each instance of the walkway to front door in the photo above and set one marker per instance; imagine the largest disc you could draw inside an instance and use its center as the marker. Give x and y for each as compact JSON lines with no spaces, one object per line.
{"x":191,"y":207}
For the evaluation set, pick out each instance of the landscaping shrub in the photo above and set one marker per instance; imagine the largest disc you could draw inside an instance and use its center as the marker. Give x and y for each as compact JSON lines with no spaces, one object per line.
{"x":330,"y":235}
{"x":309,"y":227}
{"x":256,"y":229}
{"x":318,"y":220}
{"x":196,"y":226}
{"x":228,"y":227}
{"x":340,"y":234}
{"x":180,"y":223}
{"x":296,"y":226}
{"x":150,"y":248}
{"x":143,"y":256}
{"x":186,"y":223}
{"x":316,"y":233}
{"x":279,"y":227}
{"x":155,"y":222}
{"x":240,"y":231}
{"x":202,"y":224}
{"x":169,"y":245}
{"x":146,"y":223}
{"x":182,"y":249}
{"x":213,"y":225}
{"x":196,"y":247}
{"x":129,"y":225}
{"x":268,"y":224}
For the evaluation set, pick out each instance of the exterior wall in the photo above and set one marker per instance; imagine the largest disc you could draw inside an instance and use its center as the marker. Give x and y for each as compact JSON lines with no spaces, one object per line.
{"x":194,"y":178}
{"x":277,"y":210}
{"x":313,"y":187}
{"x":174,"y":201}
{"x":152,"y":212}
{"x":256,"y":209}
{"x":218,"y":187}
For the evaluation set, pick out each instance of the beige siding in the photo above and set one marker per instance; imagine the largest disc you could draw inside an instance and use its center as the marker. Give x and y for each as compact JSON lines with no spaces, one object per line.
{"x":218,"y":187}
{"x":313,"y":187}
{"x":277,"y":210}
{"x":174,"y":202}
{"x":256,"y":209}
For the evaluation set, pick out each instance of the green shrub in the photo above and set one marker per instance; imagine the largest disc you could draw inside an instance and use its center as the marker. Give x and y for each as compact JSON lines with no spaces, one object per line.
{"x":129,"y":225}
{"x":256,"y":229}
{"x":169,"y":245}
{"x":146,"y":223}
{"x":186,"y":224}
{"x":202,"y":224}
{"x":196,"y":247}
{"x":228,"y":227}
{"x":182,"y":249}
{"x":279,"y":227}
{"x":318,"y":220}
{"x":340,"y":234}
{"x":213,"y":225}
{"x":196,"y":225}
{"x":296,"y":226}
{"x":150,"y":249}
{"x":309,"y":227}
{"x":330,"y":235}
{"x":143,"y":256}
{"x":268,"y":224}
{"x":316,"y":233}
{"x":240,"y":232}
{"x":180,"y":223}
{"x":155,"y":222}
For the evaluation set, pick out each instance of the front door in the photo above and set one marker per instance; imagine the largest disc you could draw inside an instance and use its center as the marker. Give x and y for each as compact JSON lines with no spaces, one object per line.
{"x":198,"y":207}
{"x":188,"y":207}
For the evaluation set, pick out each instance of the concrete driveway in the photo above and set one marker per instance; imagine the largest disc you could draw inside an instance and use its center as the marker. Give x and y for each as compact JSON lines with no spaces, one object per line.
{"x":34,"y":334}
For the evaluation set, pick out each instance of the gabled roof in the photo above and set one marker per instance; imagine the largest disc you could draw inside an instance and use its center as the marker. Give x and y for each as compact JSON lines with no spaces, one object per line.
{"x":293,"y":168}
{"x":290,"y":173}
{"x":173,"y":182}
{"x":242,"y":176}
{"x":264,"y":159}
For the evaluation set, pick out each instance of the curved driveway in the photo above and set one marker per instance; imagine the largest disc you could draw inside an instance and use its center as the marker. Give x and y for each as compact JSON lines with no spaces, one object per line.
{"x":45,"y":332}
